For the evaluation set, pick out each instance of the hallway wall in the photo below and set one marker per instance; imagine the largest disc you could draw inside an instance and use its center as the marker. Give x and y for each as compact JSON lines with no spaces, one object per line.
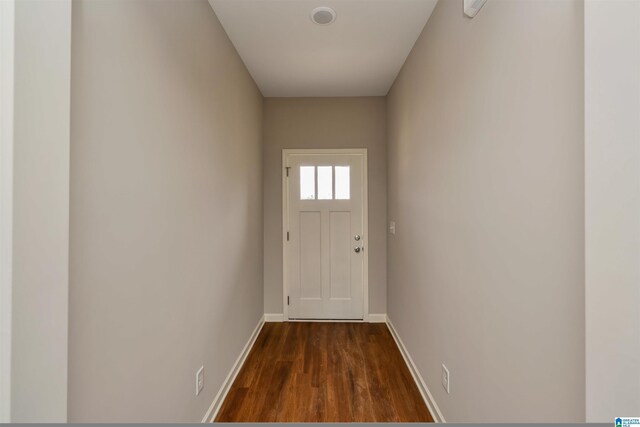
{"x":166,"y":210}
{"x":486,"y":185}
{"x":325,"y":123}
{"x":612,"y":188}
{"x":40,"y":264}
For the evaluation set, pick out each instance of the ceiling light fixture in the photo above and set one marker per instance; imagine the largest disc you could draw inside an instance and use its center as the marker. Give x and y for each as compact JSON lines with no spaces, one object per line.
{"x":323,"y":15}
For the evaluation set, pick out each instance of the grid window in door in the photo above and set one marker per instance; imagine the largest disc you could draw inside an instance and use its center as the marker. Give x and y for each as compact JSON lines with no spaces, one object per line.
{"x":343,"y":182}
{"x":307,"y":182}
{"x":327,"y":182}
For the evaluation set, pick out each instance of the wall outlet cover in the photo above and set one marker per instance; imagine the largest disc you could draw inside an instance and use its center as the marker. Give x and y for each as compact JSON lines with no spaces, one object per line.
{"x":199,"y":380}
{"x":445,"y":378}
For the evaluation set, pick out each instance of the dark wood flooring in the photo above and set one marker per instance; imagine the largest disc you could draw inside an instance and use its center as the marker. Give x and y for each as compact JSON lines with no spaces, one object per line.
{"x":324,"y":372}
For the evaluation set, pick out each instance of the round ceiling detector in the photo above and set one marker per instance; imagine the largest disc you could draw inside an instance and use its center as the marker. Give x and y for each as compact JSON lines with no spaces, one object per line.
{"x":323,"y":15}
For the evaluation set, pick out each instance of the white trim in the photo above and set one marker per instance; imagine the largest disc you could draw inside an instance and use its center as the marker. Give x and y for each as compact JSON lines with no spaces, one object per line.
{"x":279,"y":317}
{"x":365,"y":227}
{"x":422,"y":386}
{"x":365,"y":220}
{"x":377,"y":318}
{"x":325,"y":321}
{"x":285,"y":222}
{"x":231,"y":377}
{"x":274,"y":317}
{"x":7,"y":48}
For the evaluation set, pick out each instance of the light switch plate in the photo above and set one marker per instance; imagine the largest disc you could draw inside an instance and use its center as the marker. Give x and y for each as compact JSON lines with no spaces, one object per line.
{"x":392,"y":227}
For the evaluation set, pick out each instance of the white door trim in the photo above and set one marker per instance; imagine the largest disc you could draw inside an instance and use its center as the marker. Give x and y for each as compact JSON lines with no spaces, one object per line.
{"x":7,"y":36}
{"x":365,"y":219}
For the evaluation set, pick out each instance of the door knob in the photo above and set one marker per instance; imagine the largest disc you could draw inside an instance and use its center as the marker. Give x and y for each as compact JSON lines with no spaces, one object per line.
{"x":357,"y":237}
{"x":357,"y":249}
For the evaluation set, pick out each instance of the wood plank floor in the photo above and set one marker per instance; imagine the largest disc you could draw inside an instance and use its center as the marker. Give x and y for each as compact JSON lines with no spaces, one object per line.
{"x":324,"y":372}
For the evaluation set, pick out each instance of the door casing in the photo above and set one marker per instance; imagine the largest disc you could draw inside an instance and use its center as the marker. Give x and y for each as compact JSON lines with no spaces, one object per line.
{"x":365,"y":224}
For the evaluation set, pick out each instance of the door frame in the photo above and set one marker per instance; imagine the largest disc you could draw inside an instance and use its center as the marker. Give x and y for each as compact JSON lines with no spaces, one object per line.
{"x":7,"y":48}
{"x":365,"y":223}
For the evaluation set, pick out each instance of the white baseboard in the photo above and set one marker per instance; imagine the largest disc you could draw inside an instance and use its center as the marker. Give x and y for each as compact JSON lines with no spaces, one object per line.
{"x":274,"y":317}
{"x":377,"y":318}
{"x":226,"y":385}
{"x":422,"y":386}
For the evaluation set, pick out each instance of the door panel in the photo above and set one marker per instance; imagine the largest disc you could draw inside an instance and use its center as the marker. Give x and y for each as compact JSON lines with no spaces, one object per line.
{"x":324,"y":212}
{"x":310,"y":256}
{"x":340,"y":252}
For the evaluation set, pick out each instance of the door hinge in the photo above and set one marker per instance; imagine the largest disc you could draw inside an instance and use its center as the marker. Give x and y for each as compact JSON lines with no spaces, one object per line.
{"x":287,"y":299}
{"x":287,"y":169}
{"x":287,"y":236}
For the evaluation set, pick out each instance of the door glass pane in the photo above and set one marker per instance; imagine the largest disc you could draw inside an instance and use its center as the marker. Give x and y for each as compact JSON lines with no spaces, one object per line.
{"x":343,"y":184}
{"x":325,"y":183}
{"x":307,"y":183}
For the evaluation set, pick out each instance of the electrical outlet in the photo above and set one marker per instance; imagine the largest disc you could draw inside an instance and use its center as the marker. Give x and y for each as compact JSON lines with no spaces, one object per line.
{"x":445,"y":378}
{"x":392,"y":227}
{"x":199,"y":380}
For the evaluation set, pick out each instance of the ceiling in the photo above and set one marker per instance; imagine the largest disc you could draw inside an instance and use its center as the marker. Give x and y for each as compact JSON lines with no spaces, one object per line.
{"x":360,"y":54}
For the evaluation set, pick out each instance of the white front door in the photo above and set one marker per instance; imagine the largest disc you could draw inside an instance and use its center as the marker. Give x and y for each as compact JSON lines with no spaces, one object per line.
{"x":325,"y":194}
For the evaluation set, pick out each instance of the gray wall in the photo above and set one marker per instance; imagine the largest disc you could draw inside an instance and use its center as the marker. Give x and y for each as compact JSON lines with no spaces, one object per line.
{"x":486,"y":184}
{"x":166,"y":210}
{"x":612,"y":145}
{"x":7,"y":38}
{"x":41,"y":211}
{"x":324,"y":123}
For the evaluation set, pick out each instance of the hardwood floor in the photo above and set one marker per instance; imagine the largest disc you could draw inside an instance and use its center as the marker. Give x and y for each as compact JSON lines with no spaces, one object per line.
{"x":324,"y":372}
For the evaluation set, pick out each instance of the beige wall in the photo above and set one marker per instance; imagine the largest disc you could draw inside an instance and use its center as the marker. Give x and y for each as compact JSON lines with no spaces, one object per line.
{"x":612,"y":145}
{"x":41,"y":211}
{"x":166,"y":210}
{"x":324,"y":123}
{"x":486,"y":184}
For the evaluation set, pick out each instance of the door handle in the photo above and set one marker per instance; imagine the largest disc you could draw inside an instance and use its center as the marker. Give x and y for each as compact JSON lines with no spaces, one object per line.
{"x":356,"y":237}
{"x":357,"y":249}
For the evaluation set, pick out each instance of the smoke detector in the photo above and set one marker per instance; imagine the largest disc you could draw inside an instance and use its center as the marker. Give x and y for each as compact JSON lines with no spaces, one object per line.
{"x":472,"y":7}
{"x":323,"y":15}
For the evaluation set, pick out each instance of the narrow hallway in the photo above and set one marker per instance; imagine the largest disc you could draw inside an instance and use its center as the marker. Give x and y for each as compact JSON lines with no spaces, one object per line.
{"x":320,"y":211}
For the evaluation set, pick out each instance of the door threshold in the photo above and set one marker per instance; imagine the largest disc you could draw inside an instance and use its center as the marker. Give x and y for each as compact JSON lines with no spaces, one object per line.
{"x":326,"y":320}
